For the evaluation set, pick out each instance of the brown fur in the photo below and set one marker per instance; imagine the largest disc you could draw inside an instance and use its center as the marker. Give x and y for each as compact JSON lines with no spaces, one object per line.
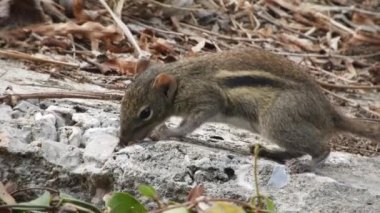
{"x":270,"y":93}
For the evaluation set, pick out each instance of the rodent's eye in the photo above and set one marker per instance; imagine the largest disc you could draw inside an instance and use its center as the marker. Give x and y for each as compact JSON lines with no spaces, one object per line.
{"x":145,"y":113}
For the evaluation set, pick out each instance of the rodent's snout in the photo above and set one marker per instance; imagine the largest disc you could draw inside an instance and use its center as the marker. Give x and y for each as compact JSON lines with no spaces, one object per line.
{"x":123,"y":141}
{"x":128,"y":137}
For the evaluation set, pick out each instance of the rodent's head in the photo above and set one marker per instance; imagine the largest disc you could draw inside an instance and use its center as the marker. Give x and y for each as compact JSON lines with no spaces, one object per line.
{"x":145,"y":105}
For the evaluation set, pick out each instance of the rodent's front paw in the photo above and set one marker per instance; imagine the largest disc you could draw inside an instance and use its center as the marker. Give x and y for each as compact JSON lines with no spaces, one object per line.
{"x":159,"y":133}
{"x":156,"y":136}
{"x":165,"y":133}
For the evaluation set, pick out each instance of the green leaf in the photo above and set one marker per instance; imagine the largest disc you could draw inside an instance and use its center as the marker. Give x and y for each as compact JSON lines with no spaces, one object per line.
{"x":271,"y":207}
{"x":225,"y":207}
{"x":66,"y":196}
{"x":177,"y":210}
{"x":80,"y":205}
{"x":147,"y":191}
{"x":122,"y":202}
{"x":42,"y":202}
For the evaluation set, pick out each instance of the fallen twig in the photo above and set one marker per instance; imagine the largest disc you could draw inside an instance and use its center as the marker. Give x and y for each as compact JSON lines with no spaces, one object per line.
{"x":138,"y":22}
{"x":127,"y":32}
{"x":20,"y":55}
{"x":233,"y":38}
{"x":324,"y":8}
{"x":173,"y":7}
{"x":320,"y":70}
{"x":264,"y":15}
{"x":328,"y":55}
{"x":352,"y":102}
{"x":12,"y":99}
{"x":335,"y":86}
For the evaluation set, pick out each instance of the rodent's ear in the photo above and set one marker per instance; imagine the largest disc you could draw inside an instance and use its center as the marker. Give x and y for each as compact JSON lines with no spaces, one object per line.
{"x":167,"y":83}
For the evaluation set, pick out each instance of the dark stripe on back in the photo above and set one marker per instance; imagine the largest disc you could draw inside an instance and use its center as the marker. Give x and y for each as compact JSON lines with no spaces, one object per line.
{"x":250,"y":81}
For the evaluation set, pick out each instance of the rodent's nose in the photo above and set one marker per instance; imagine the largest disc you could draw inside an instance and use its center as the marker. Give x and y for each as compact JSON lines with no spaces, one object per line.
{"x":124,"y":141}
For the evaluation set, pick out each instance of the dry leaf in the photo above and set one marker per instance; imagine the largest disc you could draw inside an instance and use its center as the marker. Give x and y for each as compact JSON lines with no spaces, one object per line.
{"x":76,"y":9}
{"x":362,"y":19}
{"x":374,"y":71}
{"x":334,"y":43}
{"x":127,"y":66}
{"x":173,"y":11}
{"x":161,"y":46}
{"x":5,"y":196}
{"x":93,"y":31}
{"x":199,"y":46}
{"x":301,"y":42}
{"x":266,"y":32}
{"x":195,"y":192}
{"x":376,"y":109}
{"x":350,"y":67}
{"x":124,"y":66}
{"x":61,"y":42}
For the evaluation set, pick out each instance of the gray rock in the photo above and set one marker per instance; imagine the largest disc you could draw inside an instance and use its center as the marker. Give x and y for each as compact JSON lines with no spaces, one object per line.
{"x":353,"y":170}
{"x":60,"y":110}
{"x":22,"y":134}
{"x":44,"y":128}
{"x":111,"y":122}
{"x":63,"y":114}
{"x":5,"y":112}
{"x":23,"y":108}
{"x":61,"y":121}
{"x":13,"y":144}
{"x":313,"y":193}
{"x":17,"y":114}
{"x":67,"y":156}
{"x":70,"y":135}
{"x":182,"y":165}
{"x":85,"y":120}
{"x":175,"y":167}
{"x":26,"y":106}
{"x":89,"y":134}
{"x":100,"y":147}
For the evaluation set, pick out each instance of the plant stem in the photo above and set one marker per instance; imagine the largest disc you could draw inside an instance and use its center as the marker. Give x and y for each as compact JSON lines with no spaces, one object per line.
{"x":256,"y":156}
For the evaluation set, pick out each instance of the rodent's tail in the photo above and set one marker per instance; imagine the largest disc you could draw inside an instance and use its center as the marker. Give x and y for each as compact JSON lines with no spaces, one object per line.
{"x":366,"y":128}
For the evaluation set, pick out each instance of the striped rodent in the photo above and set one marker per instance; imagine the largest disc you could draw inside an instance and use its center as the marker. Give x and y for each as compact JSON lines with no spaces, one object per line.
{"x":249,"y":88}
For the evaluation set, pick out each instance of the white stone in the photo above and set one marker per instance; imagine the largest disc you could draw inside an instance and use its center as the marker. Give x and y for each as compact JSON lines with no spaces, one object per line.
{"x":60,"y":109}
{"x":100,"y":147}
{"x":85,"y":120}
{"x":70,"y":135}
{"x":89,"y":134}
{"x":26,"y":106}
{"x":44,"y":128}
{"x":5,"y":112}
{"x":61,"y":154}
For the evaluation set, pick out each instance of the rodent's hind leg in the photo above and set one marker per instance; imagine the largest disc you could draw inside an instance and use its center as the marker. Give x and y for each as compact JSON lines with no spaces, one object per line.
{"x":318,"y":157}
{"x":279,"y":156}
